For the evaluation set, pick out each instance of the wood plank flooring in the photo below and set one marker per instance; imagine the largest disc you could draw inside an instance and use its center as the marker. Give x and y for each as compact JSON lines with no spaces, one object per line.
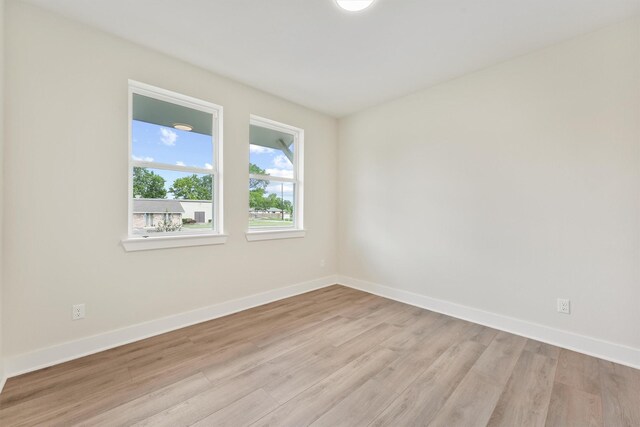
{"x":332,"y":357}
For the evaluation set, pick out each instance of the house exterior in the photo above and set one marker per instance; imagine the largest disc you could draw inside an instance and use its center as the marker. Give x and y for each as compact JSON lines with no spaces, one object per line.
{"x":198,"y":210}
{"x":148,"y":213}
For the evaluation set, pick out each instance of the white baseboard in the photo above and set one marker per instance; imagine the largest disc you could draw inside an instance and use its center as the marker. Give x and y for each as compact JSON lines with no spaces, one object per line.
{"x":42,"y":358}
{"x":3,"y":381}
{"x":613,"y":352}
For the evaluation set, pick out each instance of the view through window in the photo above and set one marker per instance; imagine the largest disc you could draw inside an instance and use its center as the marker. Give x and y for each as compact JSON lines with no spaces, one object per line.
{"x":274,"y":175}
{"x":174,"y":173}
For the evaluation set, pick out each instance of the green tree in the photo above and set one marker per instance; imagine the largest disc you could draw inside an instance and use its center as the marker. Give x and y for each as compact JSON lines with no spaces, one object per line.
{"x":257,"y":188}
{"x":274,"y":201}
{"x":147,"y":184}
{"x":257,"y":200}
{"x":286,"y":206}
{"x":254,"y":183}
{"x":193,"y":187}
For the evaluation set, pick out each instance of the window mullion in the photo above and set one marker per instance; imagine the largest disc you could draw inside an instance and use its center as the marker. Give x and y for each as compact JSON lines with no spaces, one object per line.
{"x":272,"y":178}
{"x":164,"y":166}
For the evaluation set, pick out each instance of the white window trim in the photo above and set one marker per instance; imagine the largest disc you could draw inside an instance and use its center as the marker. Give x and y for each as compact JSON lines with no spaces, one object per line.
{"x":210,"y":237}
{"x":133,"y":244}
{"x":255,"y":236}
{"x":297,"y":231}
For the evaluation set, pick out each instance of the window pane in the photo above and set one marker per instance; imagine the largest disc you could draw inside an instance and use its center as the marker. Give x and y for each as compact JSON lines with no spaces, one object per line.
{"x":271,"y":204}
{"x":154,"y":138}
{"x":271,"y":152}
{"x":171,"y":202}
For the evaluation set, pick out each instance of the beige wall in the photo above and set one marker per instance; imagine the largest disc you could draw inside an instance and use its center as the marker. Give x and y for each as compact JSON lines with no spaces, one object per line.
{"x":67,"y":141}
{"x":2,"y":323}
{"x":501,"y":190}
{"x":507,"y":188}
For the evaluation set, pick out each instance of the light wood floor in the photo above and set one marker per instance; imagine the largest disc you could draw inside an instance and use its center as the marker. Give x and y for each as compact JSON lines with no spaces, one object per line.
{"x":331,"y":357}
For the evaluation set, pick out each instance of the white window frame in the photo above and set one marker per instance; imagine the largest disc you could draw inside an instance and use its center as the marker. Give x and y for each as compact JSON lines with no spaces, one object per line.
{"x":212,"y":236}
{"x":270,"y":233}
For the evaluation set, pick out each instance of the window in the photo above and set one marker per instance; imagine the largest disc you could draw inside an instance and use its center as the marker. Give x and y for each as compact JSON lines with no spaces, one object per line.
{"x":275,"y":179}
{"x":175,"y":168}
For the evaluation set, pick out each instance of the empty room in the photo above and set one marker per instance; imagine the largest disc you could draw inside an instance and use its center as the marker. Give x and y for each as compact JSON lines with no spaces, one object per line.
{"x":320,"y":213}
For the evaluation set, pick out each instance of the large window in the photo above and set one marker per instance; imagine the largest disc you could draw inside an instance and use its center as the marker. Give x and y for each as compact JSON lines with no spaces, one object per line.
{"x":175,"y":185}
{"x":275,"y":176}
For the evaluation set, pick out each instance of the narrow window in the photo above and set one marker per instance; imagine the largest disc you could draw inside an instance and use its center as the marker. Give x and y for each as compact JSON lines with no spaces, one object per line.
{"x":275,"y":176}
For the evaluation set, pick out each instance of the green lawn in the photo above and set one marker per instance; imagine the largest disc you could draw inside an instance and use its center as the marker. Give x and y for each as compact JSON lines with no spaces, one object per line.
{"x":196,"y":225}
{"x":270,"y":223}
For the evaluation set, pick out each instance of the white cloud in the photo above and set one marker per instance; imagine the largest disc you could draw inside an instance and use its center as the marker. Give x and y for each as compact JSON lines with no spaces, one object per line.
{"x":141,"y":159}
{"x":282,"y":162}
{"x":168,"y":137}
{"x":179,"y":163}
{"x":208,"y":166}
{"x":259,"y":149}
{"x":284,"y":173}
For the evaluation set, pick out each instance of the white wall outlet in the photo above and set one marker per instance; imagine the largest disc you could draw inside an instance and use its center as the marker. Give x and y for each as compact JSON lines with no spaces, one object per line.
{"x":564,"y":306}
{"x":77,"y":312}
{"x":322,"y":263}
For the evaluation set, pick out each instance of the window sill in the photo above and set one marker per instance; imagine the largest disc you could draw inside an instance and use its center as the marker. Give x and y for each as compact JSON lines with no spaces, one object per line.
{"x":132,"y":244}
{"x":255,"y":236}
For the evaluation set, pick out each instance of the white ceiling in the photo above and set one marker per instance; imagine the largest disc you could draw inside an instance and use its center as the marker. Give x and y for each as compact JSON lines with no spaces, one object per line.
{"x":313,"y":53}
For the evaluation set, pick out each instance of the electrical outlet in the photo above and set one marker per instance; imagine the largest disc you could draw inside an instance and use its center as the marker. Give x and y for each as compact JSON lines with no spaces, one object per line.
{"x":77,"y":312}
{"x":564,"y":306}
{"x":322,"y":263}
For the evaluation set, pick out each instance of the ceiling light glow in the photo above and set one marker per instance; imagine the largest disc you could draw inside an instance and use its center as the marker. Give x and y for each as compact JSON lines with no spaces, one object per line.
{"x":354,"y":5}
{"x":182,"y":126}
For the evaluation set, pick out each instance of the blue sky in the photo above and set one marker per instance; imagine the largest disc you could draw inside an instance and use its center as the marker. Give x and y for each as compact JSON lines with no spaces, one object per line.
{"x":161,"y":144}
{"x":275,"y":163}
